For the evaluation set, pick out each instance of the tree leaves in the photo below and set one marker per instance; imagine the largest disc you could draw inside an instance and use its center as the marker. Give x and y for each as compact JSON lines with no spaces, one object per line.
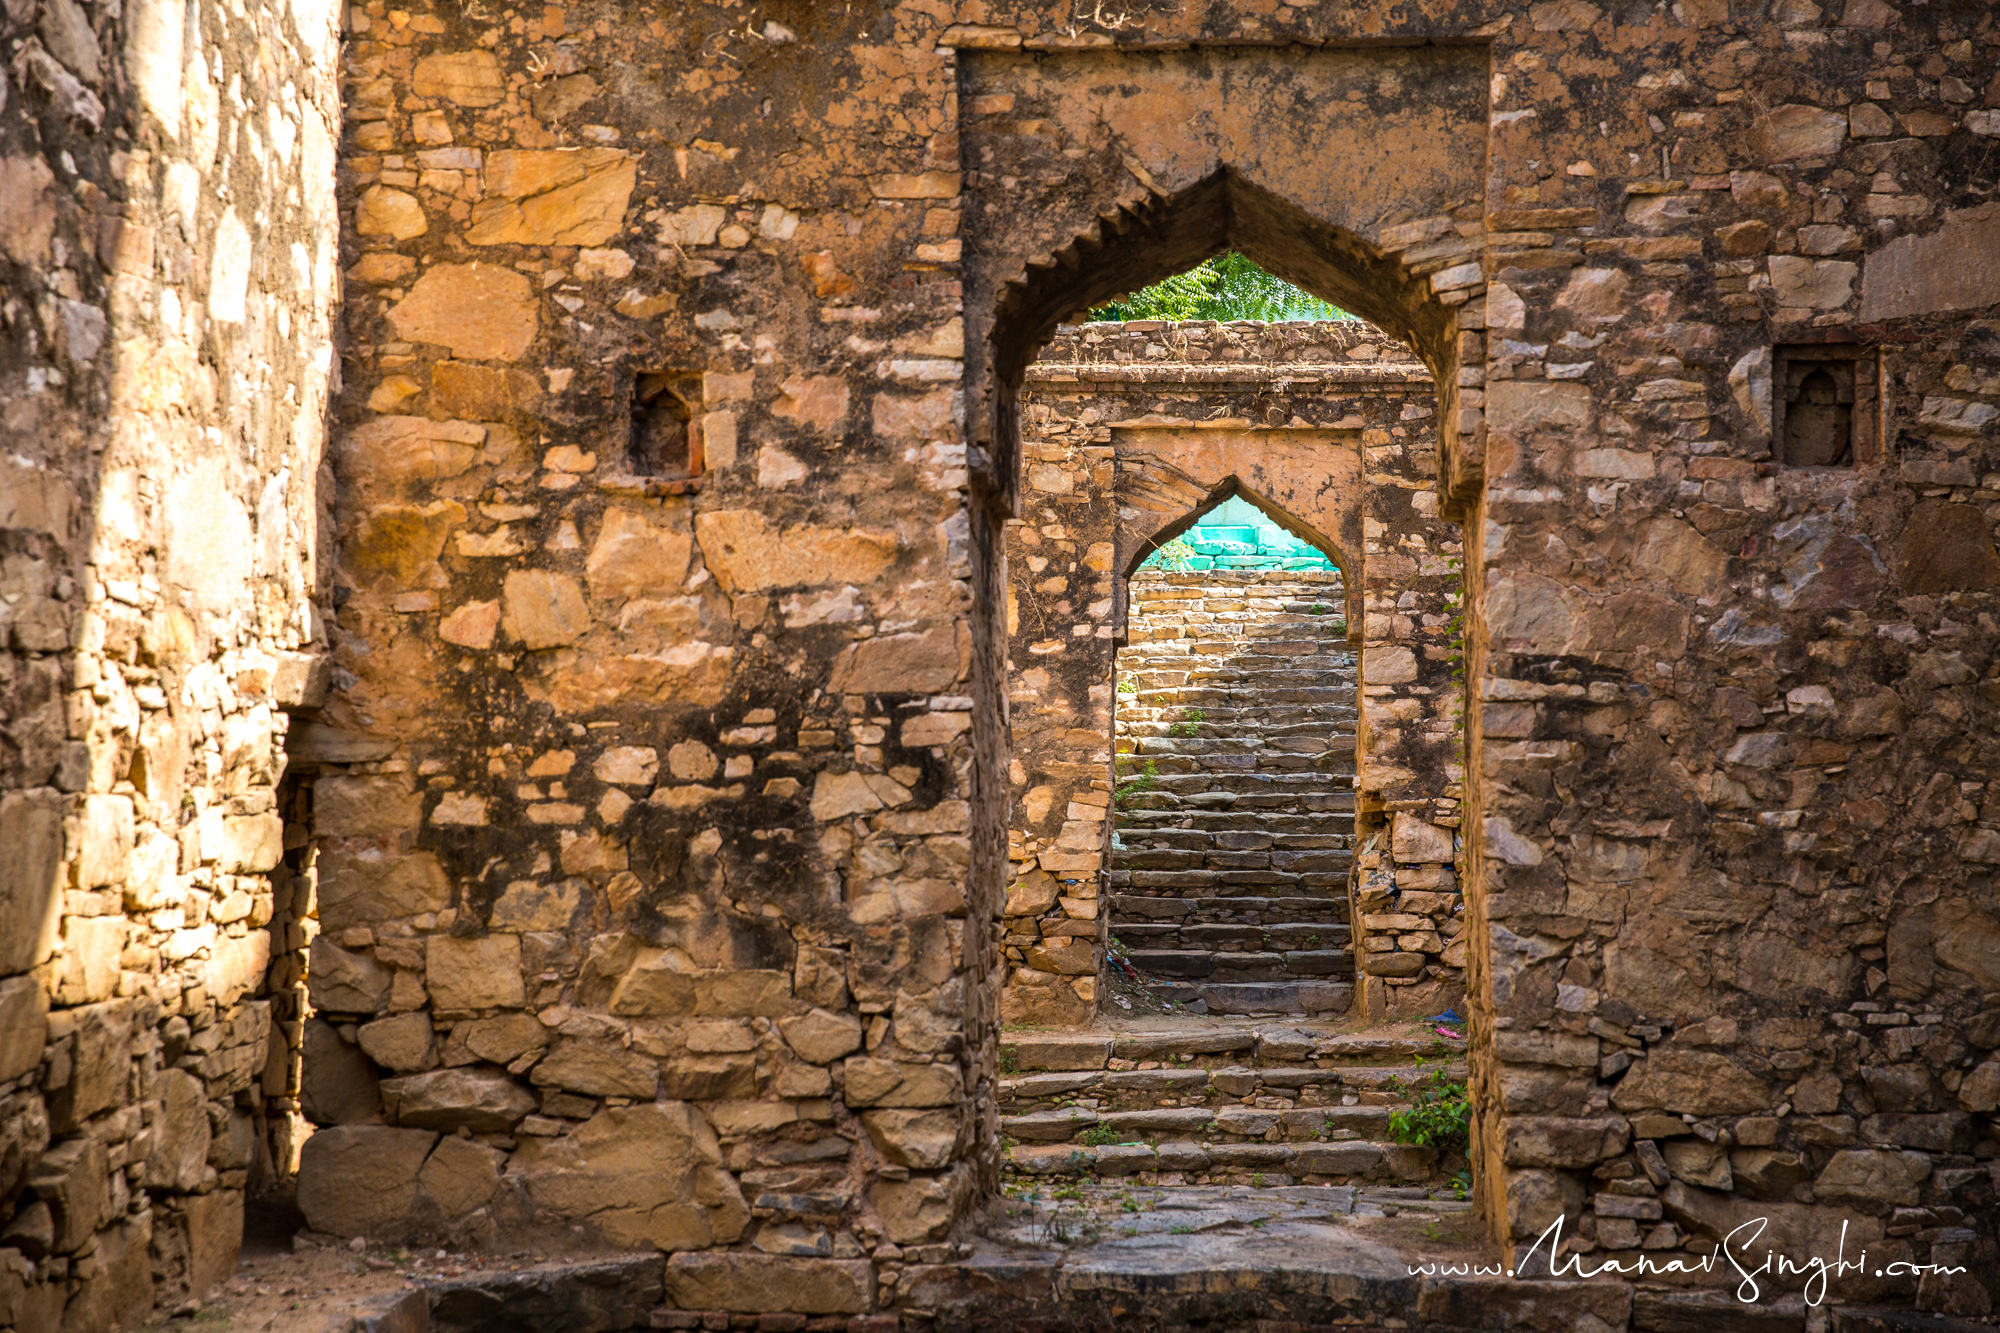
{"x":1227,"y":287}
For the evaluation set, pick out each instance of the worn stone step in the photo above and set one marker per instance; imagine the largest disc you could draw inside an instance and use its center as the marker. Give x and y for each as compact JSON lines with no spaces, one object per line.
{"x":1261,"y":997}
{"x":1226,"y":966}
{"x":1231,"y":1122}
{"x":1189,"y":1161}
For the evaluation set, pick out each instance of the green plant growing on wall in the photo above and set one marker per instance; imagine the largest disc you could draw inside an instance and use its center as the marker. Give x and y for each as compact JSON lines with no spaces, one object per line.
{"x":1190,"y":723}
{"x":1228,"y":286}
{"x":1126,"y":685}
{"x":1440,"y":1117}
{"x":1147,"y":778}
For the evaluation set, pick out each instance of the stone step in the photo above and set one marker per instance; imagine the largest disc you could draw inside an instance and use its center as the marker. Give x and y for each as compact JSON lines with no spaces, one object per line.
{"x":1219,"y":965}
{"x":1203,"y":931}
{"x":1260,"y":1046}
{"x":1220,"y":817}
{"x":1325,"y":887}
{"x":1254,"y":998}
{"x":1368,"y":1092}
{"x":1188,"y":1161}
{"x":1271,"y":912}
{"x":1140,"y":832}
{"x":1231,"y":1123}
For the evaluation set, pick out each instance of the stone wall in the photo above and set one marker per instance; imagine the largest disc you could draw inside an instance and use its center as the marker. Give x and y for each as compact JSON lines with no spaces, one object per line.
{"x":1728,"y":816}
{"x":648,"y":836}
{"x":1133,"y":430}
{"x":167,"y":250}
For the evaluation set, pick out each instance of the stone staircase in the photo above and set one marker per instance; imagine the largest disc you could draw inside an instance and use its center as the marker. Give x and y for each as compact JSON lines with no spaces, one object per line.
{"x":1235,"y":736}
{"x":1268,"y":1106}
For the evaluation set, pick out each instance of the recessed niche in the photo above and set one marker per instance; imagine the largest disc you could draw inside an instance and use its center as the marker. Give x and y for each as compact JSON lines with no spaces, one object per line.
{"x":663,"y":441}
{"x":1824,"y":406}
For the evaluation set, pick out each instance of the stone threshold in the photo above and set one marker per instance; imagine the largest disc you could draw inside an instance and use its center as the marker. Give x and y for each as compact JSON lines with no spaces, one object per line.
{"x":1223,"y":1260}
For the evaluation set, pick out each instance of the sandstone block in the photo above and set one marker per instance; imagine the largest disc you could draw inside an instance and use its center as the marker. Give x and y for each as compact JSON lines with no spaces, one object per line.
{"x":345,"y":983}
{"x":1698,"y":1163}
{"x":1920,"y":275}
{"x":821,"y":1037}
{"x":180,"y":1134}
{"x":1546,"y":1048}
{"x":365,"y":807}
{"x":706,"y":1078}
{"x":91,"y":949}
{"x":543,"y":609}
{"x":757,"y":1282}
{"x":482,"y":312}
{"x":598,"y":1069}
{"x":469,"y":78}
{"x":24,"y":1026}
{"x":250,"y":844}
{"x":634,"y":556}
{"x":362,"y":886}
{"x":866,"y":1081}
{"x":529,"y":906}
{"x":1562,"y":1141}
{"x":481,"y":973}
{"x":1354,"y":1158}
{"x":71,"y":1179}
{"x":30,"y":875}
{"x":1812,"y":284}
{"x":106,"y":838}
{"x":337,"y":1084}
{"x":630,"y":765}
{"x":499,"y":1040}
{"x":747,"y":554}
{"x":656,"y":988}
{"x":482,"y":1100}
{"x":1787,"y":133}
{"x":402,"y":1043}
{"x":1872,"y":1176}
{"x":917,"y":1210}
{"x":1946,"y":548}
{"x":100,"y":1064}
{"x":459,"y":1176}
{"x":385,"y":212}
{"x":361,"y":1180}
{"x":1692,"y":1081}
{"x":1416,"y":841}
{"x":923,"y":1140}
{"x":562,"y":196}
{"x":901,"y":663}
{"x":648,"y":1175}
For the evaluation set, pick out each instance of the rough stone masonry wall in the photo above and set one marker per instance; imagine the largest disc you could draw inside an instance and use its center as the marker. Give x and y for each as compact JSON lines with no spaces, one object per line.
{"x":1594,"y":223}
{"x":167,"y":253}
{"x":1732,"y":737}
{"x":651,"y":890}
{"x":1332,"y":417}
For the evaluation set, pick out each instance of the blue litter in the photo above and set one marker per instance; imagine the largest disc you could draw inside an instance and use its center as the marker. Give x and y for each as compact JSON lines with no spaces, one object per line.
{"x":1448,"y":1016}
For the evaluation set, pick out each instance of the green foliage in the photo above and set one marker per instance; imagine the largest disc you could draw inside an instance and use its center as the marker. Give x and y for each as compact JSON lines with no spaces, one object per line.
{"x":1229,"y":286}
{"x":1190,"y":723}
{"x":1097,"y":1136}
{"x":1126,"y":685}
{"x":1176,"y":555}
{"x":1146,"y":779}
{"x":1440,"y":1117}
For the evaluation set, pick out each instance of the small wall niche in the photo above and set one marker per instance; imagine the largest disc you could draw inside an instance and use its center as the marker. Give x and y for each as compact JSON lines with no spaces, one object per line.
{"x":1824,"y":406}
{"x":664,"y":441}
